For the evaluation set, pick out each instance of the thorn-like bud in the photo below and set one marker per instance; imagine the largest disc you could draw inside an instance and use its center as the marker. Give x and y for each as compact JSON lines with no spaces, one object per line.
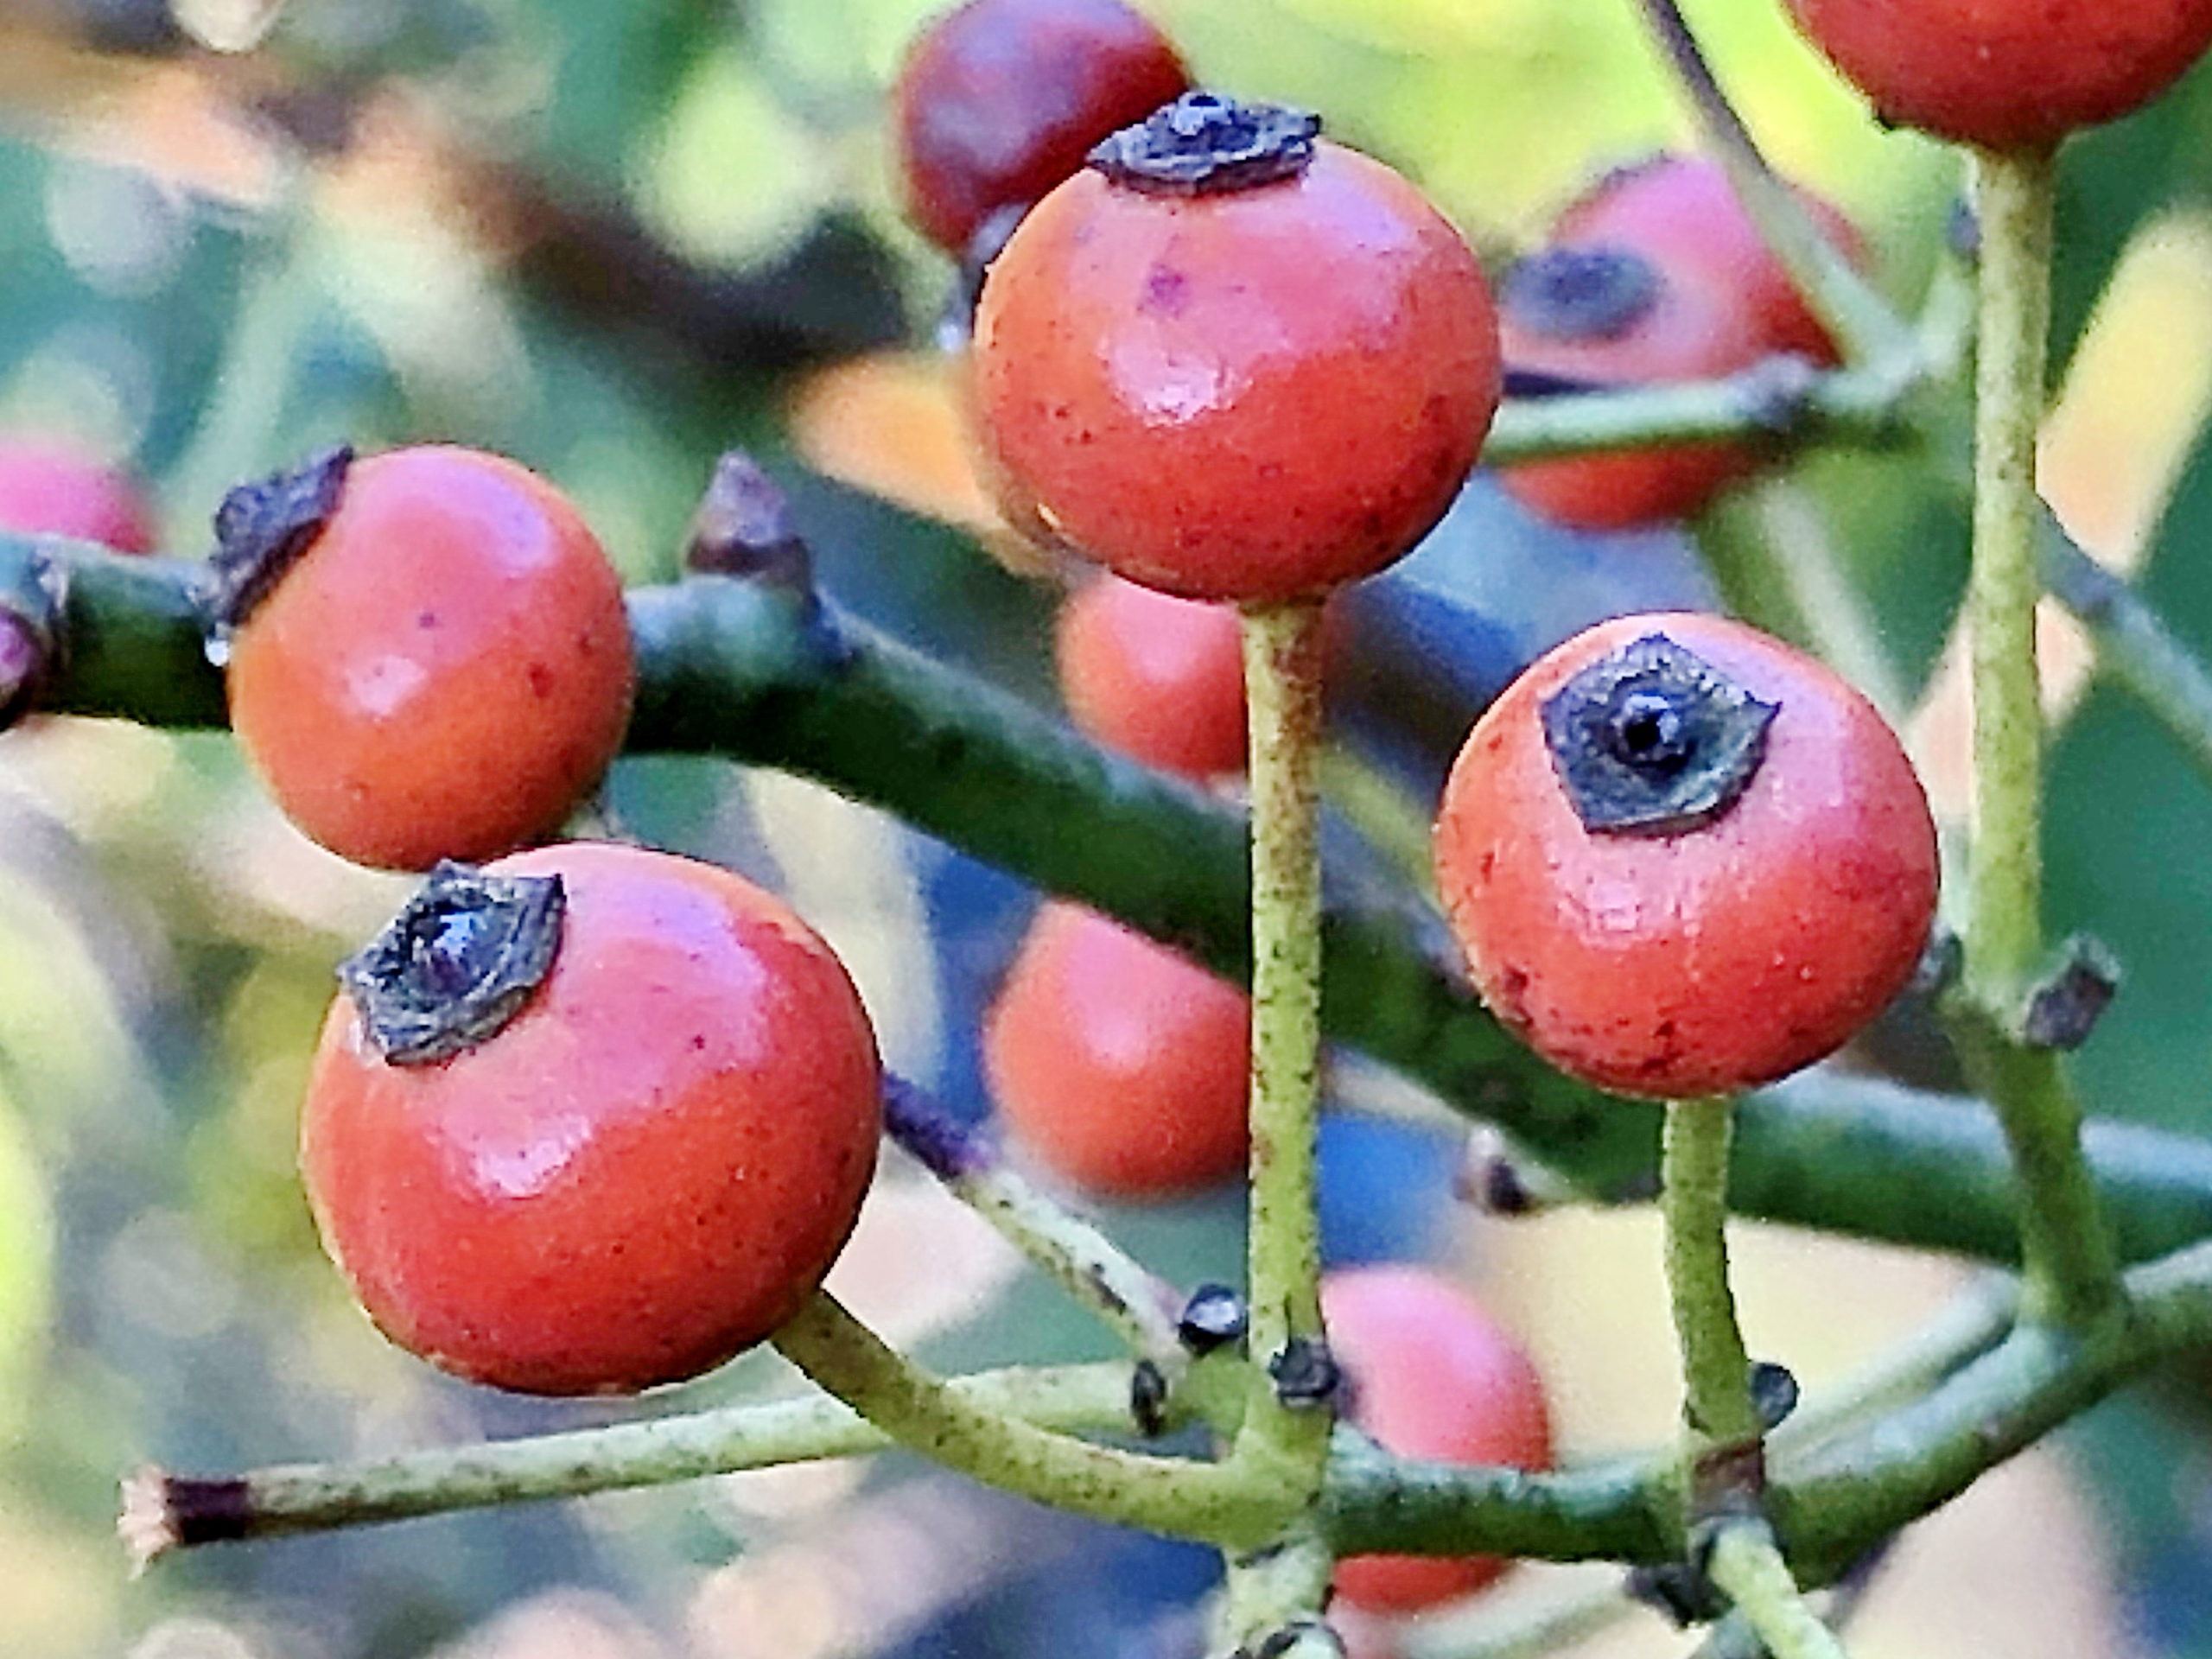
{"x":742,"y":527}
{"x":1494,"y":1178}
{"x":1306,"y":1374}
{"x":1774,"y":1393}
{"x":1148,"y":1399}
{"x":1214,"y":1317}
{"x":2065,"y":1007}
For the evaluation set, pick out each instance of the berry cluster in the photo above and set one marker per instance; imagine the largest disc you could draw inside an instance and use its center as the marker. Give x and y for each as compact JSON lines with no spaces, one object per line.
{"x":590,"y":1118}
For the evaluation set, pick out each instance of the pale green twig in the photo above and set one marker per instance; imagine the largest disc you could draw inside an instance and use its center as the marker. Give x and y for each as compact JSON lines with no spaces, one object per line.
{"x":1282,"y":676}
{"x":163,"y":1511}
{"x":2071,"y":1270}
{"x":1176,"y":1498}
{"x":1745,"y":1562}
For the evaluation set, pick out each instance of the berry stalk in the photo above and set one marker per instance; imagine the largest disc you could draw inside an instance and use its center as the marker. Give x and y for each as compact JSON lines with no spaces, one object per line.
{"x":1176,"y":1498}
{"x":1096,"y":1272}
{"x":1723,"y":1472}
{"x":2067,"y":1254}
{"x":1717,"y":1406}
{"x":1282,"y":676}
{"x":1745,"y":1563}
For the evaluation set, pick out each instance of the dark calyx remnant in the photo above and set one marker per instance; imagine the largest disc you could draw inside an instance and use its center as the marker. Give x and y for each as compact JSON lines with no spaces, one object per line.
{"x":1580,"y":294}
{"x":1205,"y":144}
{"x":462,"y":960}
{"x":743,"y":527}
{"x":263,"y":528}
{"x":1652,"y":739}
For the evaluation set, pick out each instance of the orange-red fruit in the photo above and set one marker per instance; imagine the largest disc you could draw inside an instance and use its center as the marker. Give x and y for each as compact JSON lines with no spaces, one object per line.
{"x":1431,"y":1377}
{"x":1721,"y":302}
{"x":648,"y":1169}
{"x":2006,"y":74}
{"x":1118,"y":1063}
{"x":1249,"y":395}
{"x":447,"y":670}
{"x":52,"y":489}
{"x":1157,"y":677}
{"x":998,"y":100}
{"x":1710,"y":959}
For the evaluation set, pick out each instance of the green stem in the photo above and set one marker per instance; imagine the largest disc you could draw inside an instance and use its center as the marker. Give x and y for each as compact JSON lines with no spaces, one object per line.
{"x":2071,"y":1272}
{"x":1382,"y":811}
{"x":1745,"y":1563}
{"x":1282,"y":680}
{"x":2135,"y":648}
{"x":751,"y":674}
{"x":1529,"y":1626}
{"x":169,"y":1512}
{"x":1717,"y":1406}
{"x":1096,"y":1272}
{"x":1837,"y":621}
{"x":1275,"y":1588}
{"x":241,"y":426}
{"x":1734,"y":1637}
{"x":1858,"y":317}
{"x":1833,"y":1502}
{"x":1974,"y":1322}
{"x":2068,"y":1259}
{"x":2013,"y":197}
{"x":1779,"y":401}
{"x":1175,"y":1497}
{"x":1377,"y":1503}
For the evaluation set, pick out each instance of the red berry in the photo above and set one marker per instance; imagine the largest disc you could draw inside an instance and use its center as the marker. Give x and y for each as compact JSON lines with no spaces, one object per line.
{"x":2006,"y":74}
{"x":1120,"y":1064}
{"x":447,"y":669}
{"x":997,"y":101}
{"x":51,"y":489}
{"x":1656,"y":275}
{"x":1684,"y":858}
{"x":1250,"y":386}
{"x":1157,"y":677}
{"x":645,"y":1170}
{"x":1431,"y":1377}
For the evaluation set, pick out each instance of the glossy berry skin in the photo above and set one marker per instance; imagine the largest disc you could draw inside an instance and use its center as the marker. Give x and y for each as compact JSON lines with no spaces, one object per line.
{"x":52,"y":489}
{"x":447,"y":670}
{"x":1432,"y":1375}
{"x":1710,"y":960}
{"x":1119,"y":1064}
{"x":1247,"y":396}
{"x":1157,"y":677}
{"x":2006,"y":74}
{"x":998,"y":100}
{"x":1723,"y":302}
{"x":648,"y":1169}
